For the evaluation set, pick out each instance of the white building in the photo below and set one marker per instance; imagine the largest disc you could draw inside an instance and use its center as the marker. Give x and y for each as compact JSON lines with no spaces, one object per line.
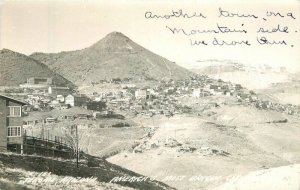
{"x":197,"y":93}
{"x":140,"y":94}
{"x":58,"y":90}
{"x":128,"y":86}
{"x":70,"y":100}
{"x":75,"y":100}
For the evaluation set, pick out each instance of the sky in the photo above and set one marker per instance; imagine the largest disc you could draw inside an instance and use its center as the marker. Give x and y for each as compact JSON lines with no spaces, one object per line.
{"x":54,"y":26}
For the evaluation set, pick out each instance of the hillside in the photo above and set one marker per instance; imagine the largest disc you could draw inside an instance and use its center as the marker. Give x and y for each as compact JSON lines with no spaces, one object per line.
{"x":15,"y":68}
{"x":34,"y":172}
{"x":114,"y":56}
{"x":205,"y":154}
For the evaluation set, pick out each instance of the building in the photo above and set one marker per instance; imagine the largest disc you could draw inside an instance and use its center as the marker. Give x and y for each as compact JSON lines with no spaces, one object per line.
{"x":70,"y":100}
{"x":11,"y":121}
{"x":96,"y":106}
{"x":140,"y":94}
{"x":39,"y":83}
{"x":227,"y":93}
{"x":125,"y":86}
{"x":60,"y":98}
{"x":196,"y":93}
{"x":75,"y":100}
{"x":39,"y":80}
{"x":59,"y":90}
{"x":200,"y":92}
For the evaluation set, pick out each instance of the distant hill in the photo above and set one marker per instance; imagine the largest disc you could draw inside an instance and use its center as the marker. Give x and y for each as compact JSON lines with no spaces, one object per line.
{"x":114,"y":56}
{"x":210,"y":67}
{"x":251,"y":77}
{"x":15,"y":68}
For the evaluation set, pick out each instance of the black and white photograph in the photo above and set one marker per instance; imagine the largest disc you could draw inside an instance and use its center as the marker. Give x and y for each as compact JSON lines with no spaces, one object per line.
{"x":150,"y":95}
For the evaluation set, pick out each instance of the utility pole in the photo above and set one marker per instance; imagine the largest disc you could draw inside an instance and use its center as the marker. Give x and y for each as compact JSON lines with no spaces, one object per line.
{"x":77,"y":148}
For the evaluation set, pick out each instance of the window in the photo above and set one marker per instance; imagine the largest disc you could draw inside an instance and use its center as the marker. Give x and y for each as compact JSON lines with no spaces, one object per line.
{"x":15,"y":111}
{"x":14,"y":131}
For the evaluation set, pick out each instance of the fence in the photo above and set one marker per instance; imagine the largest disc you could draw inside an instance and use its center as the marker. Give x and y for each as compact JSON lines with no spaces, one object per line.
{"x":44,"y":147}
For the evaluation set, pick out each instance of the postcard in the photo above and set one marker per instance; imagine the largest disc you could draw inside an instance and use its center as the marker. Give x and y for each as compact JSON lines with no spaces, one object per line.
{"x":187,"y":95}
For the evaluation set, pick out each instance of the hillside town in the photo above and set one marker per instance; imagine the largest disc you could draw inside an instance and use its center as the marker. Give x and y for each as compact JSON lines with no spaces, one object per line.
{"x":45,"y":106}
{"x":162,"y":99}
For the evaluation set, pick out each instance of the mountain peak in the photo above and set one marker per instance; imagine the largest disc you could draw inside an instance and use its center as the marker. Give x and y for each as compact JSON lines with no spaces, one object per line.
{"x":116,"y":37}
{"x":116,"y":34}
{"x":115,"y":42}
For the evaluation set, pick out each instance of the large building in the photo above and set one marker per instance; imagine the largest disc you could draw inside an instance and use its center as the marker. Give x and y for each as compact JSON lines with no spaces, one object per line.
{"x":11,"y":121}
{"x":37,"y":83}
{"x":39,"y":80}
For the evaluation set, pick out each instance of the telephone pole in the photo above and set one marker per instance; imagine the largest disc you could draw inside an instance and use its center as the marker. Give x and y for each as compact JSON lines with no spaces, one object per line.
{"x":77,"y":148}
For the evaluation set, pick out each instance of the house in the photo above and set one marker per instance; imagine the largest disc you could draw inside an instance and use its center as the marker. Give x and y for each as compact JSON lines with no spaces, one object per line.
{"x":140,"y":94}
{"x":227,"y":93}
{"x":11,"y":122}
{"x":75,"y":100}
{"x":196,"y":93}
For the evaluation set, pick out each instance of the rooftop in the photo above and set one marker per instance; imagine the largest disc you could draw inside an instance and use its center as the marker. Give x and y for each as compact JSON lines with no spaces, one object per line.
{"x":13,"y":99}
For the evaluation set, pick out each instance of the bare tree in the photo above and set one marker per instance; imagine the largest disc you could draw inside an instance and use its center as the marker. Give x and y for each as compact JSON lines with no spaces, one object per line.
{"x":72,"y":137}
